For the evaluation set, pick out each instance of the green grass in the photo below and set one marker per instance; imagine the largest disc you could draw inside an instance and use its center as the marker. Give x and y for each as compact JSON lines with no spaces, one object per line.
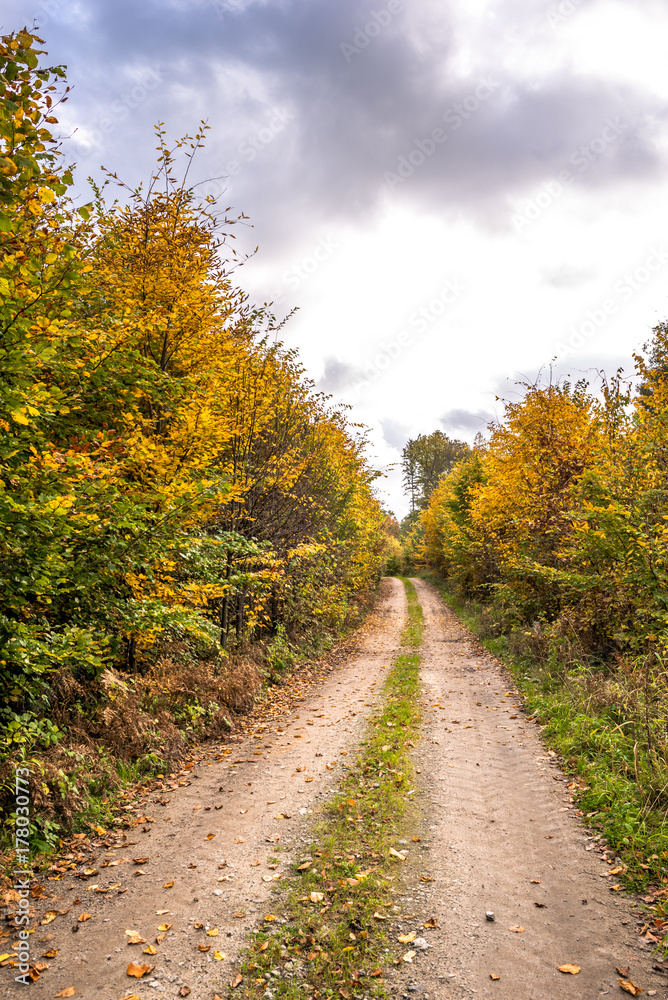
{"x":336,"y":936}
{"x":620,"y":786}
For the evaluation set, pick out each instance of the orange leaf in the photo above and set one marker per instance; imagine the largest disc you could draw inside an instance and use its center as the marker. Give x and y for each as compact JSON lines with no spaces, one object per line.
{"x":517,"y":929}
{"x":573,"y":969}
{"x":492,"y":975}
{"x":69,"y":992}
{"x":168,"y":885}
{"x":236,"y":981}
{"x":84,"y":917}
{"x":630,"y":987}
{"x":137,"y":970}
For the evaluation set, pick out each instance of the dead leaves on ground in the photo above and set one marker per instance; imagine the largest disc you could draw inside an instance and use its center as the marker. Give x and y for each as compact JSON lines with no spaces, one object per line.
{"x":573,"y":970}
{"x":69,"y":992}
{"x":138,"y":970}
{"x":630,"y":987}
{"x":134,"y":937}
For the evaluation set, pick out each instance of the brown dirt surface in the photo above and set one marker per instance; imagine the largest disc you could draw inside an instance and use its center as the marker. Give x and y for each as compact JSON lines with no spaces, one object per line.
{"x":496,"y":824}
{"x":502,"y":834}
{"x":209,"y":843}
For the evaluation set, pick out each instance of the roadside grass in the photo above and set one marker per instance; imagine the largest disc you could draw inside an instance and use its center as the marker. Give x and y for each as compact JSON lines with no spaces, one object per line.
{"x":619,"y":784}
{"x":336,"y":901}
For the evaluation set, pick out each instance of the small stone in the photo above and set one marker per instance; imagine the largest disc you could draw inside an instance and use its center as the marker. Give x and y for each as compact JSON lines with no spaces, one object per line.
{"x":490,"y":916}
{"x":421,"y":945}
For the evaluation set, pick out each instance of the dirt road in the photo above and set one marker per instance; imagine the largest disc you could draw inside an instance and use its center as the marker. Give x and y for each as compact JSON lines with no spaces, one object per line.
{"x":499,"y":834}
{"x":504,"y":837}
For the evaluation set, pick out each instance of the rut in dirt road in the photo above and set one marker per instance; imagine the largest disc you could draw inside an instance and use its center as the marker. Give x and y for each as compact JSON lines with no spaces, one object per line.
{"x":505,"y":837}
{"x":194,"y":877}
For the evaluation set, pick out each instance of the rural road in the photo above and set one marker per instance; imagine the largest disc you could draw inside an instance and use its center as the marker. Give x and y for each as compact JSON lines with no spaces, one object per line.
{"x":499,"y":833}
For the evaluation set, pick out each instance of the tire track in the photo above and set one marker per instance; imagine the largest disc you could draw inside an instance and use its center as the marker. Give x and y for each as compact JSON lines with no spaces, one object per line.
{"x":504,"y":837}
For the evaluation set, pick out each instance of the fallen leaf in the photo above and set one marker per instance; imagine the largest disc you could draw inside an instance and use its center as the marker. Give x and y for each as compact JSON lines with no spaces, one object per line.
{"x":239,"y":840}
{"x":431,"y":923}
{"x":630,"y":987}
{"x":401,"y":855}
{"x":131,"y":996}
{"x":160,"y":938}
{"x":184,"y":991}
{"x":84,"y":917}
{"x":379,"y":916}
{"x":48,"y":917}
{"x":242,"y":812}
{"x":541,"y":906}
{"x":275,"y":837}
{"x":269,"y":917}
{"x":140,"y":861}
{"x":517,"y":929}
{"x":376,"y":973}
{"x":303,"y":868}
{"x":407,"y":938}
{"x":425,"y":878}
{"x":51,"y":953}
{"x":138,"y":970}
{"x":213,"y":932}
{"x":165,"y":927}
{"x":168,"y":885}
{"x":134,"y":937}
{"x":149,"y":950}
{"x":236,"y":981}
{"x":263,"y":946}
{"x":535,"y":881}
{"x":417,"y":840}
{"x":572,"y":969}
{"x":493,"y":976}
{"x":219,"y":957}
{"x":204,"y":948}
{"x":69,"y":992}
{"x":160,"y":913}
{"x":408,"y":957}
{"x":210,"y":836}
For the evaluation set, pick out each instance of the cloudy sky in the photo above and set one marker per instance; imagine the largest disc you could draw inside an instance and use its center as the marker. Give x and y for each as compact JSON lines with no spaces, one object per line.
{"x":452,"y":193}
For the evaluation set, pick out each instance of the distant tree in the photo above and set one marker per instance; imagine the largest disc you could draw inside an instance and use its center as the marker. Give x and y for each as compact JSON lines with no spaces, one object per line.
{"x":424,"y":460}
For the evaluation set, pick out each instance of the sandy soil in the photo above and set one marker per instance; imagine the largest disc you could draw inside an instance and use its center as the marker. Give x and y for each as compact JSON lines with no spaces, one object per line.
{"x":221,"y":820}
{"x":502,"y":835}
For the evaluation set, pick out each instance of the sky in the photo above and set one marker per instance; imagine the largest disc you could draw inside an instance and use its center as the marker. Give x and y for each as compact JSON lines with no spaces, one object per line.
{"x":456,"y":197}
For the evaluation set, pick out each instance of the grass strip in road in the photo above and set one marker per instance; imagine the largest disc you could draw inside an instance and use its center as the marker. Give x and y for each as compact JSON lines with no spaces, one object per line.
{"x":337,"y":900}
